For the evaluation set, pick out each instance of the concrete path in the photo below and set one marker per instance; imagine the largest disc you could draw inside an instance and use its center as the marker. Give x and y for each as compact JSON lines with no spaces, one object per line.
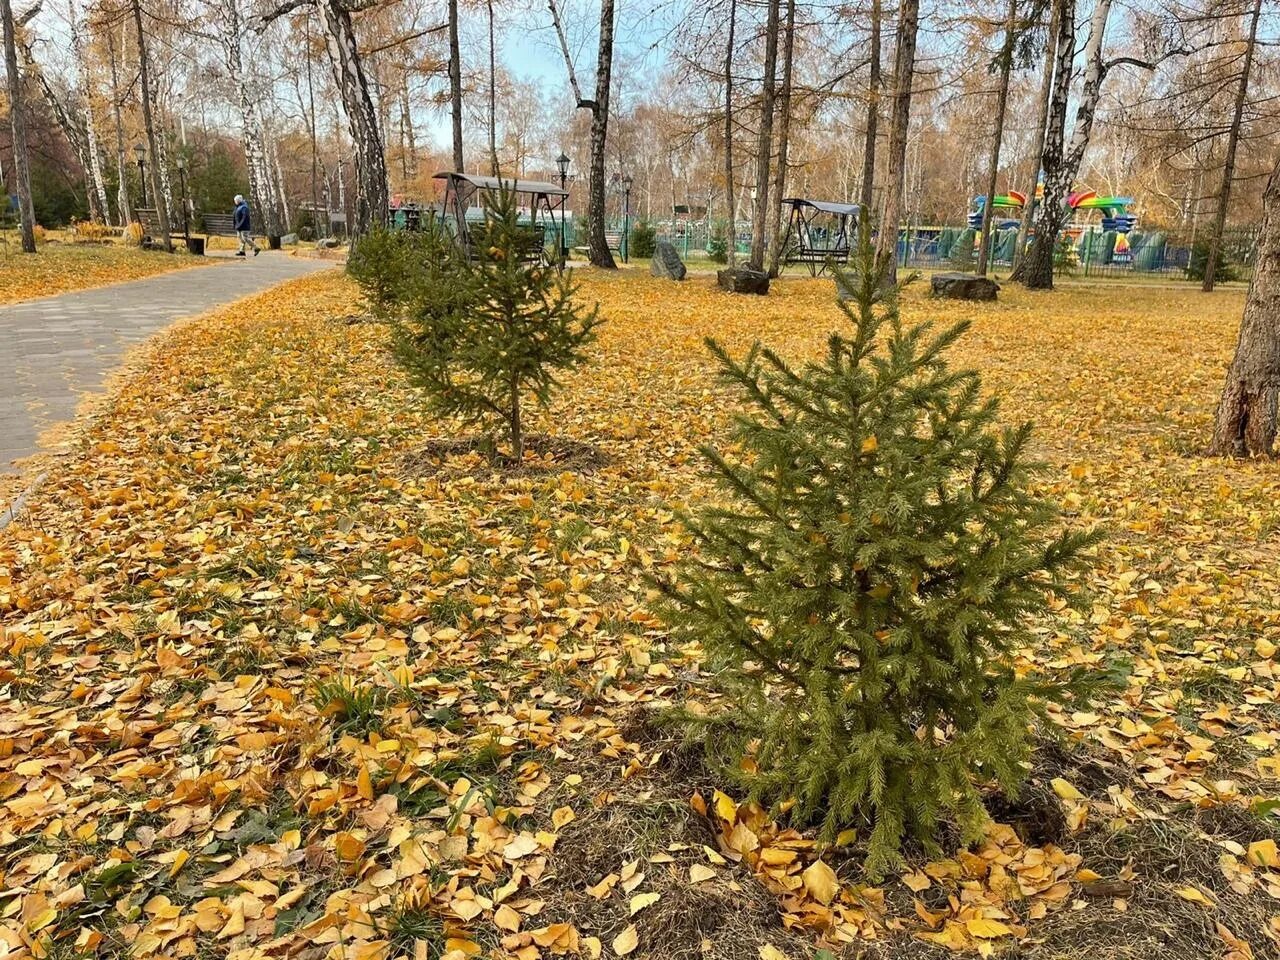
{"x":55,"y":349}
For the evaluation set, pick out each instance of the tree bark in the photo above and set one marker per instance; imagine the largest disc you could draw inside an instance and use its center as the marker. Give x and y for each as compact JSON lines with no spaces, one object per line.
{"x":123,"y":206}
{"x":18,"y":129}
{"x":1037,"y":266}
{"x":1246,"y":420}
{"x":1042,"y":112}
{"x":1229,"y":161}
{"x":455,"y":86}
{"x":93,"y":173}
{"x":372,"y":200}
{"x":903,"y":75}
{"x":873,"y":110}
{"x":731,"y":225}
{"x":764,"y":141}
{"x":597,"y":244}
{"x":250,"y":125}
{"x":144,"y":78}
{"x":1006,"y":64}
{"x":493,"y":98}
{"x":784,"y":138}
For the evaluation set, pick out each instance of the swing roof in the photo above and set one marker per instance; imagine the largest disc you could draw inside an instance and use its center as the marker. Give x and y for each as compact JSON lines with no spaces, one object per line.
{"x":499,"y":183}
{"x":826,"y":206}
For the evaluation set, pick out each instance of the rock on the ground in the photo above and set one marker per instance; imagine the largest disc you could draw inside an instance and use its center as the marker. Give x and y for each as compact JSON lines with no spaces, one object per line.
{"x":327,"y":243}
{"x":743,"y":280}
{"x":666,"y":263}
{"x":963,"y":286}
{"x":289,"y":239}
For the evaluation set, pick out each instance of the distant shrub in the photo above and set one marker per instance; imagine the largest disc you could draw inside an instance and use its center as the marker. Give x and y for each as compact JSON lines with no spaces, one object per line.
{"x":1224,"y":271}
{"x":132,"y":235}
{"x":717,"y":246}
{"x":88,"y":231}
{"x":40,"y":234}
{"x":644,"y":240}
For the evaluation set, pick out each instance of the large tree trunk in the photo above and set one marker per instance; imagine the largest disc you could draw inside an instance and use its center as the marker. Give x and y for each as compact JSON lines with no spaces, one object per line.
{"x":1229,"y":161}
{"x":903,"y":75}
{"x":873,"y":111}
{"x":731,"y":225}
{"x":372,"y":200}
{"x":1246,"y":422}
{"x":1037,"y":151}
{"x":1063,"y":165}
{"x":1037,"y":263}
{"x":988,"y":209}
{"x":123,"y":206}
{"x":144,"y":78}
{"x":597,"y":244}
{"x":764,"y":140}
{"x":784,"y":138}
{"x":455,"y":86}
{"x":18,"y":129}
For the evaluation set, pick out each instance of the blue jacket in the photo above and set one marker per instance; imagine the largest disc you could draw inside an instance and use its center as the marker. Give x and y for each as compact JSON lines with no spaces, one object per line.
{"x":242,"y":215}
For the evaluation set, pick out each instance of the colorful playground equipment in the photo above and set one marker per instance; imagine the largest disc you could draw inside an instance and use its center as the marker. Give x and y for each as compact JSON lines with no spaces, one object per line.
{"x":1116,"y":218}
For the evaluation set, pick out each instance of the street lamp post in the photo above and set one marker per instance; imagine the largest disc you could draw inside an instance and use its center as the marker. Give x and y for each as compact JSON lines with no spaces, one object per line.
{"x":562,"y":164}
{"x":626,"y":217}
{"x":140,"y":152}
{"x":182,"y":179}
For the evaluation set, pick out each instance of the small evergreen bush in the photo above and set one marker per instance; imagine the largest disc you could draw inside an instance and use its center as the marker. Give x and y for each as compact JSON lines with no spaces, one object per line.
{"x":644,"y":240}
{"x":862,"y":592}
{"x":389,"y":264}
{"x":480,"y":339}
{"x":1224,"y":271}
{"x":717,"y":245}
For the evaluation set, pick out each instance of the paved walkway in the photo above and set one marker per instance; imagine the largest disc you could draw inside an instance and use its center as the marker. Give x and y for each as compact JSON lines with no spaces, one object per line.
{"x":54,"y":350}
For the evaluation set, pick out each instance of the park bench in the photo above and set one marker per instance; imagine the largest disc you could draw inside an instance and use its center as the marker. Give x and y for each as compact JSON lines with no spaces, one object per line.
{"x":214,"y":225}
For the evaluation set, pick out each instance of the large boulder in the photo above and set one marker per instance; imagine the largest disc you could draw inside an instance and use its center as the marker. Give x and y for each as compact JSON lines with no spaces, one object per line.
{"x":666,"y":263}
{"x":743,"y":280}
{"x":963,"y":286}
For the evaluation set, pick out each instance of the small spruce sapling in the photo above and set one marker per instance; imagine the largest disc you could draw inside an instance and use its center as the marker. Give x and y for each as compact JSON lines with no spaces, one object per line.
{"x":862,"y":591}
{"x":483,"y":338}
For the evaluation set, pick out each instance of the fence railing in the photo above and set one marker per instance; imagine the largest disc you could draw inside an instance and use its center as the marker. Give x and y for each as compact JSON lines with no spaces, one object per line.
{"x":1082,"y":252}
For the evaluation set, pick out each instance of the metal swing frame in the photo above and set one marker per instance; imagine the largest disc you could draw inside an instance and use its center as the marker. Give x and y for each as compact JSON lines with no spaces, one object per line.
{"x":802,"y":246}
{"x":542,"y":199}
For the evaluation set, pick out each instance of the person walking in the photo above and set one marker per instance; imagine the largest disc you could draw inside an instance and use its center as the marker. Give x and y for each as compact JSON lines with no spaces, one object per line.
{"x":243,"y":227}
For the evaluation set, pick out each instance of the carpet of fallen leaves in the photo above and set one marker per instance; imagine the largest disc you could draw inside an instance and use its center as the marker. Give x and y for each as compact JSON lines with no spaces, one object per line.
{"x":286,"y":671}
{"x":62,"y":267}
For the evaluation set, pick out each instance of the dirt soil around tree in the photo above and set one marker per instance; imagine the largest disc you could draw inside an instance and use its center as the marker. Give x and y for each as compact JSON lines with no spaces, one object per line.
{"x":287,"y":668}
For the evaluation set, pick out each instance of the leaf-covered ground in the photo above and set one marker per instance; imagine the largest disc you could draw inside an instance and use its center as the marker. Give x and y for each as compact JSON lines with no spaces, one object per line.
{"x":287,"y":672}
{"x":62,"y":267}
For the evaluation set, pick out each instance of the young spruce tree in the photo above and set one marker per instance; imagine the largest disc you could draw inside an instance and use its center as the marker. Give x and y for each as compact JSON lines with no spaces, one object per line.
{"x":861,"y":592}
{"x":482,"y":338}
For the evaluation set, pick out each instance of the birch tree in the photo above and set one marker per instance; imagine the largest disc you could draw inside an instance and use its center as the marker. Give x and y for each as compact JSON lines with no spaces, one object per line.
{"x":372,"y":195}
{"x":93,"y":148}
{"x":123,"y":205}
{"x":784,"y":138}
{"x":597,"y":246}
{"x":251,"y":129}
{"x":873,"y":109}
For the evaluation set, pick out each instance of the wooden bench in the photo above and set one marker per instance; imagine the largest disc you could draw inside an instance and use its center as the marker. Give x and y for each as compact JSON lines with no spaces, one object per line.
{"x":218,"y":224}
{"x":613,"y":239}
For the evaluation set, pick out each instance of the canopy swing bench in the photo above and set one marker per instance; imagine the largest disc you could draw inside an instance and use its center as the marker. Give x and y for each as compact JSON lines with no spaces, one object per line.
{"x":539,"y":202}
{"x":819,"y":232}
